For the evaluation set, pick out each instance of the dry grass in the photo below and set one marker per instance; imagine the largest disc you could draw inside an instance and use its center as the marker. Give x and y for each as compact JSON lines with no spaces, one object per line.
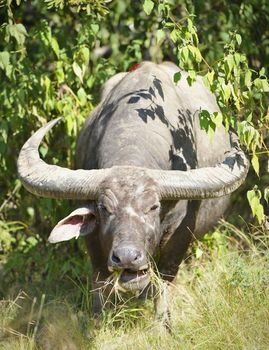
{"x":221,"y":302}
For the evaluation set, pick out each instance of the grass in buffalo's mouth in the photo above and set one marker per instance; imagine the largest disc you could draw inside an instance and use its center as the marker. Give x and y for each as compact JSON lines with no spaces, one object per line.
{"x":129,"y":275}
{"x":221,"y":301}
{"x":135,"y":272}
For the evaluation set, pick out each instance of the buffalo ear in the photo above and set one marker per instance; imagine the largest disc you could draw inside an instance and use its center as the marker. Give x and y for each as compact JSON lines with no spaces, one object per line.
{"x":80,"y":222}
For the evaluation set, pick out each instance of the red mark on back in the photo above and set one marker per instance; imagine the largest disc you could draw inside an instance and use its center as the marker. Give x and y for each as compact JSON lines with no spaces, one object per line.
{"x":134,"y":67}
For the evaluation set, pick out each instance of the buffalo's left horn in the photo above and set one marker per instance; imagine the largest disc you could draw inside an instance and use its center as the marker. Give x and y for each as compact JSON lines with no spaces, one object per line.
{"x":208,"y":182}
{"x":51,"y":180}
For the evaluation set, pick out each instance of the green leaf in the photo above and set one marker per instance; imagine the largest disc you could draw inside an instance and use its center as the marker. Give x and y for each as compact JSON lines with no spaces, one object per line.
{"x":262,"y":72}
{"x":191,"y":78}
{"x":32,"y":241}
{"x":17,"y":31}
{"x":226,"y":91}
{"x":85,"y":53}
{"x":148,"y":6}
{"x":217,"y":118}
{"x":196,"y":53}
{"x":248,"y":133}
{"x":237,"y":58}
{"x":198,"y":253}
{"x":174,"y":35}
{"x":185,"y":53}
{"x":265,"y":85}
{"x":249,"y":118}
{"x":247,"y":78}
{"x":238,"y":39}
{"x":82,"y":96}
{"x":46,"y":82}
{"x":43,"y":151}
{"x":95,"y":28}
{"x":254,"y":197}
{"x":91,"y":81}
{"x":229,"y":64}
{"x":208,"y":79}
{"x":160,"y":35}
{"x":60,"y":72}
{"x":207,"y":124}
{"x":261,"y":84}
{"x":78,"y":71}
{"x":255,"y":163}
{"x":266,"y":195}
{"x":55,"y":47}
{"x":177,"y":77}
{"x":4,"y":59}
{"x":161,"y":7}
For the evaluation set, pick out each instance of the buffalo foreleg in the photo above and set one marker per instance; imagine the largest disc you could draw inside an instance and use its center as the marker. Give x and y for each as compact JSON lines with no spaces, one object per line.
{"x":171,"y":255}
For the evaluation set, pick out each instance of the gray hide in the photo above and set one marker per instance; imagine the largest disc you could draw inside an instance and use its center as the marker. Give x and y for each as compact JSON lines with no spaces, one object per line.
{"x":132,"y":212}
{"x":156,"y":125}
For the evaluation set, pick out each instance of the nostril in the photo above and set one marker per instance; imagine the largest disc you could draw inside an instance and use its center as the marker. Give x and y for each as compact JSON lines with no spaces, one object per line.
{"x":126,"y":257}
{"x":138,"y":256}
{"x":115,"y":259}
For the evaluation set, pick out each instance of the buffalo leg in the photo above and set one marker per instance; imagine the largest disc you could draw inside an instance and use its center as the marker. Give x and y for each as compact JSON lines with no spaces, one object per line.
{"x":171,"y":256}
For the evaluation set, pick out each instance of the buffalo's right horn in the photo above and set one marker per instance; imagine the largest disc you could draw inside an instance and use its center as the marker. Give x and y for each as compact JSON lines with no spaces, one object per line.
{"x":51,"y":180}
{"x":208,"y":182}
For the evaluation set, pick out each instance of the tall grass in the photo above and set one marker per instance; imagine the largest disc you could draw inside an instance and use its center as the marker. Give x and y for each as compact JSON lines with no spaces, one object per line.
{"x":221,"y":301}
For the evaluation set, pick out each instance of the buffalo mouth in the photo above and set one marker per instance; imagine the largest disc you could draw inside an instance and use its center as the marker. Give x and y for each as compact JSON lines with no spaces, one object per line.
{"x":134,"y":279}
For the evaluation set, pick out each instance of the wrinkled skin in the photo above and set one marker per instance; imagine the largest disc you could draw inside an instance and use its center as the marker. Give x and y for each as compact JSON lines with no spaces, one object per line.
{"x":143,"y":120}
{"x":129,"y":228}
{"x":129,"y":216}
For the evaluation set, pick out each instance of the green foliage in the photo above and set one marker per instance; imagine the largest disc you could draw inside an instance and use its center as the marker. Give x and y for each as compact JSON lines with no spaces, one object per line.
{"x":44,"y":76}
{"x":241,"y":91}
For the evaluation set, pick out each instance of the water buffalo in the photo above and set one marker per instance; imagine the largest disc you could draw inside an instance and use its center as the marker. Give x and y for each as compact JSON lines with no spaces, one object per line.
{"x":148,"y":178}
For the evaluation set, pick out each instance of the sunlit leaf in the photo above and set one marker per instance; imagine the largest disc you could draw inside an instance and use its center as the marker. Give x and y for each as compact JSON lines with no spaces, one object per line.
{"x":198,"y":253}
{"x":217,"y":119}
{"x":266,"y":195}
{"x":174,"y":35}
{"x":238,"y":39}
{"x":247,"y":78}
{"x":55,"y":46}
{"x":78,"y":71}
{"x":254,"y":197}
{"x":4,"y":59}
{"x":148,"y":6}
{"x":255,"y":163}
{"x":17,"y":31}
{"x":160,"y":35}
{"x":95,"y":28}
{"x":82,"y":96}
{"x":196,"y":53}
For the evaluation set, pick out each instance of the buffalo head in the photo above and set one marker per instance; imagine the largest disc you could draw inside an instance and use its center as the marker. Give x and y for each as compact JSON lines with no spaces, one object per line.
{"x":126,"y":218}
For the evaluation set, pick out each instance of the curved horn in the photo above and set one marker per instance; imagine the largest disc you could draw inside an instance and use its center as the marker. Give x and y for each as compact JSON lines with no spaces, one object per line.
{"x":51,"y":180}
{"x":209,"y":182}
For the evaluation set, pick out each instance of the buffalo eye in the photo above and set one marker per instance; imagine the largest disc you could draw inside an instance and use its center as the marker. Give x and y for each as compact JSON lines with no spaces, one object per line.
{"x":103,"y":209}
{"x":154,"y":207}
